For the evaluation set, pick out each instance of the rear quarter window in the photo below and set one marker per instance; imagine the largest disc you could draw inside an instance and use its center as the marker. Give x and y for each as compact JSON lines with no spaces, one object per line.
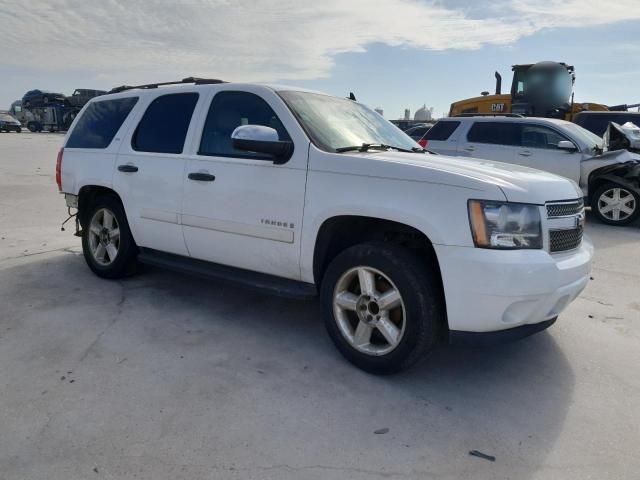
{"x":496,"y":133}
{"x":442,"y":130}
{"x":100,"y":122}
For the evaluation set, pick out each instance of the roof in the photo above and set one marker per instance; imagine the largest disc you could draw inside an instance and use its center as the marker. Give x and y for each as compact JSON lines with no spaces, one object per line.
{"x":168,"y":87}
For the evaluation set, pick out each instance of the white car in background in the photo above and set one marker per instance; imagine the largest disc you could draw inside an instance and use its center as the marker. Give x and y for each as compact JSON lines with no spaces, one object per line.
{"x":609,"y":180}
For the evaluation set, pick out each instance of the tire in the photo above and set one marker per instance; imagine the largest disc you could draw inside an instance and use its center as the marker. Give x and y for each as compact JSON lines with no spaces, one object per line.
{"x":108,"y":256}
{"x":32,"y":126}
{"x":615,"y":204}
{"x":351,"y":316}
{"x":18,"y":130}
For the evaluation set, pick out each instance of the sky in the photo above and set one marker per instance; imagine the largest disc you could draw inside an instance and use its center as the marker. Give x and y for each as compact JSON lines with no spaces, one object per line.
{"x":393,"y":54}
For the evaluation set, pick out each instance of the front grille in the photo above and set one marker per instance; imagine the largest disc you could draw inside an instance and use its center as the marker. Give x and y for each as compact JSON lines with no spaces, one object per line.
{"x":565,"y":220}
{"x":563,"y":240}
{"x":563,"y":209}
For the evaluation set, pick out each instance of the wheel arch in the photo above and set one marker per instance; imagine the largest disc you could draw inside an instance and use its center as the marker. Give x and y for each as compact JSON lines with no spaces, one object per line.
{"x":340,"y":232}
{"x":614,"y":174}
{"x":87,"y":195}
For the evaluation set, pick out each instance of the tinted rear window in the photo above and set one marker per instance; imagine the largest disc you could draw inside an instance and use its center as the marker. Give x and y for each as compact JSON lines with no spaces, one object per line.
{"x":164,"y":126}
{"x":100,"y":122}
{"x":442,"y":130}
{"x":498,"y":133}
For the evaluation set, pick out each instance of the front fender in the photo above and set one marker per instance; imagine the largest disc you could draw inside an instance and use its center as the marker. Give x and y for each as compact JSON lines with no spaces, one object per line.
{"x":438,"y":211}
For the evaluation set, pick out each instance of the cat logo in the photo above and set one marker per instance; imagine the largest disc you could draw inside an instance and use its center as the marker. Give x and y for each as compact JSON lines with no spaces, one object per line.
{"x":497,"y":107}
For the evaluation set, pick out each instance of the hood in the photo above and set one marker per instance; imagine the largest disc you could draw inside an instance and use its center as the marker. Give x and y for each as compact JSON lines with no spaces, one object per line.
{"x":9,"y":119}
{"x":516,"y":183}
{"x":607,"y":159}
{"x":619,"y":137}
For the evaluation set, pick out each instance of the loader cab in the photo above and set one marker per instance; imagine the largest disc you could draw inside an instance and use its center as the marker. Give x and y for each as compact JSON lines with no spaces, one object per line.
{"x":543,"y":89}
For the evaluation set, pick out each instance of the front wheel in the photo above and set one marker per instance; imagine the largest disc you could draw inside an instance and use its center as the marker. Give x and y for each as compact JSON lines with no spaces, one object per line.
{"x":614,"y":204}
{"x":107,"y":244}
{"x":382,"y":306}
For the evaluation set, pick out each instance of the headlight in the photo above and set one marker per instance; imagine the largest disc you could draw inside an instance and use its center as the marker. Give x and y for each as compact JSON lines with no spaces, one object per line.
{"x":505,"y":225}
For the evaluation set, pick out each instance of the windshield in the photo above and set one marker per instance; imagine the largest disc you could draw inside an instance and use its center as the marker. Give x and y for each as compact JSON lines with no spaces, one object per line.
{"x":584,"y":134}
{"x":333,"y":123}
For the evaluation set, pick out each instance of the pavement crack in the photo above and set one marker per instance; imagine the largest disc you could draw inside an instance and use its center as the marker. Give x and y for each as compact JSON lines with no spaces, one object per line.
{"x":44,"y":252}
{"x":114,"y":320}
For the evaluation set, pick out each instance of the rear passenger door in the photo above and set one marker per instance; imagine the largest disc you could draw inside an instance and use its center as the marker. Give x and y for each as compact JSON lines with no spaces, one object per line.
{"x":499,"y":141}
{"x":150,"y":168}
{"x":247,"y":212}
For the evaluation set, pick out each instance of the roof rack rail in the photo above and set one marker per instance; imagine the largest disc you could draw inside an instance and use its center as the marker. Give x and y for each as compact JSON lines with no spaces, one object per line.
{"x":194,"y":80}
{"x":516,"y":115}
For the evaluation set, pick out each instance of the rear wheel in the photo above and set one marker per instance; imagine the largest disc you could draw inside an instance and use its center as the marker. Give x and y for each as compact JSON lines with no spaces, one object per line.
{"x":107,"y":244}
{"x":382,"y":307}
{"x":614,"y":204}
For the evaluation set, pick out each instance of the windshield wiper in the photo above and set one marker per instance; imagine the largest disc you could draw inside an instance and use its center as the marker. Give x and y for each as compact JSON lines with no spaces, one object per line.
{"x":376,"y":146}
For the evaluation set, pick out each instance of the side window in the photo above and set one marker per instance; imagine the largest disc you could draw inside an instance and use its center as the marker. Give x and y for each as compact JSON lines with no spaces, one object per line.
{"x":164,"y":125}
{"x":442,"y":130}
{"x":496,"y":133}
{"x":536,"y":136}
{"x":229,"y":110}
{"x":100,"y":122}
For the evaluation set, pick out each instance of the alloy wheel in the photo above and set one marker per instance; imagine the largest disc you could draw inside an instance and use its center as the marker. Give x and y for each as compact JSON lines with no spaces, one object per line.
{"x":104,"y":236}
{"x":369,"y":311}
{"x":617,"y":204}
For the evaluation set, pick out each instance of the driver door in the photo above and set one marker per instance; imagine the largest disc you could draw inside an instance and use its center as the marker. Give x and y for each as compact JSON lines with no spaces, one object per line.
{"x":239,"y":208}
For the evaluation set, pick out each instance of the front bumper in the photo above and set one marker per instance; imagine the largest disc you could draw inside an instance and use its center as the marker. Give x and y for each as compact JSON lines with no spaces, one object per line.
{"x":486,"y":339}
{"x":494,"y":290}
{"x":10,"y":127}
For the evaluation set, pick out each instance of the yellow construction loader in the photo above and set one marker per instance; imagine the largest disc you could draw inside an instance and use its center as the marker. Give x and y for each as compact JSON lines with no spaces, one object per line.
{"x":543,"y":89}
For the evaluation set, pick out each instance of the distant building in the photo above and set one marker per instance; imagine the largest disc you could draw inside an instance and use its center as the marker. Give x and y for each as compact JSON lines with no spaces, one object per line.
{"x":423,"y":114}
{"x":407,"y":114}
{"x":379,"y":111}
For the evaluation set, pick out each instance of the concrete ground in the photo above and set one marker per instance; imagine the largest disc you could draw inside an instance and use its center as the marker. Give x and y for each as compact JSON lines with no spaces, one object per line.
{"x":163,"y":376}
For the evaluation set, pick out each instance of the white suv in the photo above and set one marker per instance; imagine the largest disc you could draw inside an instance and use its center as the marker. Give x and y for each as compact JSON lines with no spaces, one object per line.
{"x":302,"y":193}
{"x":610,"y":181}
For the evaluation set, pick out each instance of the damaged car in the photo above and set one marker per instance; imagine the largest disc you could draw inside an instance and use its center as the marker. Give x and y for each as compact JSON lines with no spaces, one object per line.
{"x":606,"y":169}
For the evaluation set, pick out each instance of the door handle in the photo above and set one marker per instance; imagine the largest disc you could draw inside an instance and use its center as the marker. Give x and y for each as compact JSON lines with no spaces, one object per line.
{"x":127,"y":168}
{"x":525,"y":153}
{"x":201,"y":177}
{"x":469,"y":149}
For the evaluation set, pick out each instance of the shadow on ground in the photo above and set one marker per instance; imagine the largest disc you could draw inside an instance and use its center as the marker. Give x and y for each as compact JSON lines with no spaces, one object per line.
{"x":176,"y":377}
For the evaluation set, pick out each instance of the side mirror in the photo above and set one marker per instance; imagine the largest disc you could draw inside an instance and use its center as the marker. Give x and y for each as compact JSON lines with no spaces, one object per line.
{"x":567,"y":145}
{"x":261,"y":139}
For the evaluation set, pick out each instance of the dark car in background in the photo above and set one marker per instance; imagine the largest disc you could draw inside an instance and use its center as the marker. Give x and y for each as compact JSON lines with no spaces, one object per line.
{"x":418,"y":131}
{"x":9,"y":124}
{"x":81,"y":96}
{"x":41,"y":98}
{"x":597,"y":122}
